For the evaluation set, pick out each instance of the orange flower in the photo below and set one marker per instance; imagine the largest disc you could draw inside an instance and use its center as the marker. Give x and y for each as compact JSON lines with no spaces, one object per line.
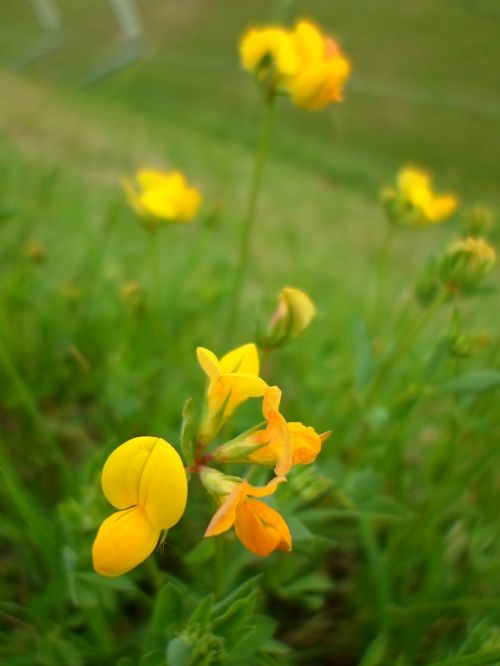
{"x":261,"y":529}
{"x":280,"y":443}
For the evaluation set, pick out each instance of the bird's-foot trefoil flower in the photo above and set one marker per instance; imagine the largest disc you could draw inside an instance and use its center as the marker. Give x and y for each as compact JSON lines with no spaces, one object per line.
{"x":322,"y":71}
{"x":162,"y":197}
{"x":413,"y":203}
{"x":280,"y":444}
{"x":260,"y":528}
{"x":302,"y":63}
{"x":231,"y":381}
{"x":145,"y":480}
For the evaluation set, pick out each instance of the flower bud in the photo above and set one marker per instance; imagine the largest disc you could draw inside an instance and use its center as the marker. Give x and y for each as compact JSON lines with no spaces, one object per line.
{"x":292,"y":317}
{"x":467,"y":261}
{"x":217,"y":483}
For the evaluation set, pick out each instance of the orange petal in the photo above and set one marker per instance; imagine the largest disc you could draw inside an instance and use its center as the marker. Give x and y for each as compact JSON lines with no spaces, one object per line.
{"x":306,"y":443}
{"x":260,"y":528}
{"x":262,"y":491}
{"x":223,"y":519}
{"x":272,"y":399}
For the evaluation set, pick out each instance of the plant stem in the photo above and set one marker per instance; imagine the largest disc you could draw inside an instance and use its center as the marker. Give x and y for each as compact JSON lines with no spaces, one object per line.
{"x":249,"y":217}
{"x":402,"y":346}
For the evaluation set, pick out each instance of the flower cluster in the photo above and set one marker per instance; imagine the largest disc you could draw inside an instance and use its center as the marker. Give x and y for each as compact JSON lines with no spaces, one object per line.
{"x":302,"y":63}
{"x":145,"y":478}
{"x":162,"y":197}
{"x":276,"y":443}
{"x":413,"y":203}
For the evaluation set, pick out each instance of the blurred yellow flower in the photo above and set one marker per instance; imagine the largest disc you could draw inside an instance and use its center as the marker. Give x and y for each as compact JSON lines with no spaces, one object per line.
{"x":414,"y":202}
{"x":260,"y":528}
{"x":467,"y":261}
{"x":303,"y":63}
{"x":280,"y":443}
{"x":232,"y":380}
{"x":145,"y":479}
{"x":323,"y":69}
{"x":160,"y":197}
{"x":268,"y":51}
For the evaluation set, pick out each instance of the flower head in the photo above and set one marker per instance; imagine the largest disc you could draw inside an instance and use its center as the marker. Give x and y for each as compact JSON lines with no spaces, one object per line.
{"x":260,"y":528}
{"x":302,"y":63}
{"x":280,"y":444}
{"x":231,"y":380}
{"x":323,"y":69}
{"x":145,"y":480}
{"x":160,"y":197}
{"x":268,"y":52}
{"x":413,"y":203}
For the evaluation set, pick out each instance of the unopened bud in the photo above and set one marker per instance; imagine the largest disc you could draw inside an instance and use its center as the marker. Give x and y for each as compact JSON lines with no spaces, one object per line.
{"x":292,"y":317}
{"x":467,"y":261}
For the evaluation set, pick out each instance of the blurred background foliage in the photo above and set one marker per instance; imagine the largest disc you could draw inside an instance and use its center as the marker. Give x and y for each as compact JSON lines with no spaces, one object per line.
{"x":395,"y":528}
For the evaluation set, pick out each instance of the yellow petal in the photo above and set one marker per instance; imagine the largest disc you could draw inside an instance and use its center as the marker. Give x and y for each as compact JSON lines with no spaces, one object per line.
{"x":244,"y":359}
{"x":209,"y":362}
{"x":123,"y":541}
{"x":310,"y":43}
{"x":122,"y":471}
{"x":148,"y":472}
{"x":149,"y":178}
{"x":258,"y":43}
{"x":163,"y":486}
{"x":441,"y":207}
{"x":234,"y":389}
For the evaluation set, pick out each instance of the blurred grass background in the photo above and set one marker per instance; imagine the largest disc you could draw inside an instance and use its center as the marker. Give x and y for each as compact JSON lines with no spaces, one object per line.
{"x":425,"y":90}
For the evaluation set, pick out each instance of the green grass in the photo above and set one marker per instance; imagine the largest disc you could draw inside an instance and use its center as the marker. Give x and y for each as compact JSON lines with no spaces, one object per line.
{"x":395,"y":527}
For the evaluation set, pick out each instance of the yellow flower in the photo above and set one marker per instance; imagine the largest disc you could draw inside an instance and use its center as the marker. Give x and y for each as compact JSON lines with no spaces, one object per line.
{"x":467,"y":261}
{"x":322,"y":72}
{"x":414,"y":203}
{"x":280,"y":443}
{"x":267,"y":51}
{"x":145,"y":479}
{"x":303,"y":63}
{"x":232,"y":380}
{"x":260,"y":528}
{"x":293,"y":315}
{"x":160,"y":197}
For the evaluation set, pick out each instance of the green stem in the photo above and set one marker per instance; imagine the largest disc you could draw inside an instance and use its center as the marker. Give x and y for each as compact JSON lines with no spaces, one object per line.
{"x":249,"y":217}
{"x":402,"y":346}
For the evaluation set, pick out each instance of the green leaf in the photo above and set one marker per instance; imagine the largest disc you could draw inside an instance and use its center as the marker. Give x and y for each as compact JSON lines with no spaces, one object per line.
{"x":187,"y":432}
{"x":473,"y":382}
{"x":251,"y":641}
{"x":155,"y":658}
{"x":167,"y":616}
{"x":236,"y":615}
{"x":375,"y":652}
{"x":203,"y":612}
{"x":179,"y":652}
{"x":242,"y":591}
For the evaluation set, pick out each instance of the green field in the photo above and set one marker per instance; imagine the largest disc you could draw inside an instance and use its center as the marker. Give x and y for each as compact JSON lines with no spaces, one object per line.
{"x":395,"y":526}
